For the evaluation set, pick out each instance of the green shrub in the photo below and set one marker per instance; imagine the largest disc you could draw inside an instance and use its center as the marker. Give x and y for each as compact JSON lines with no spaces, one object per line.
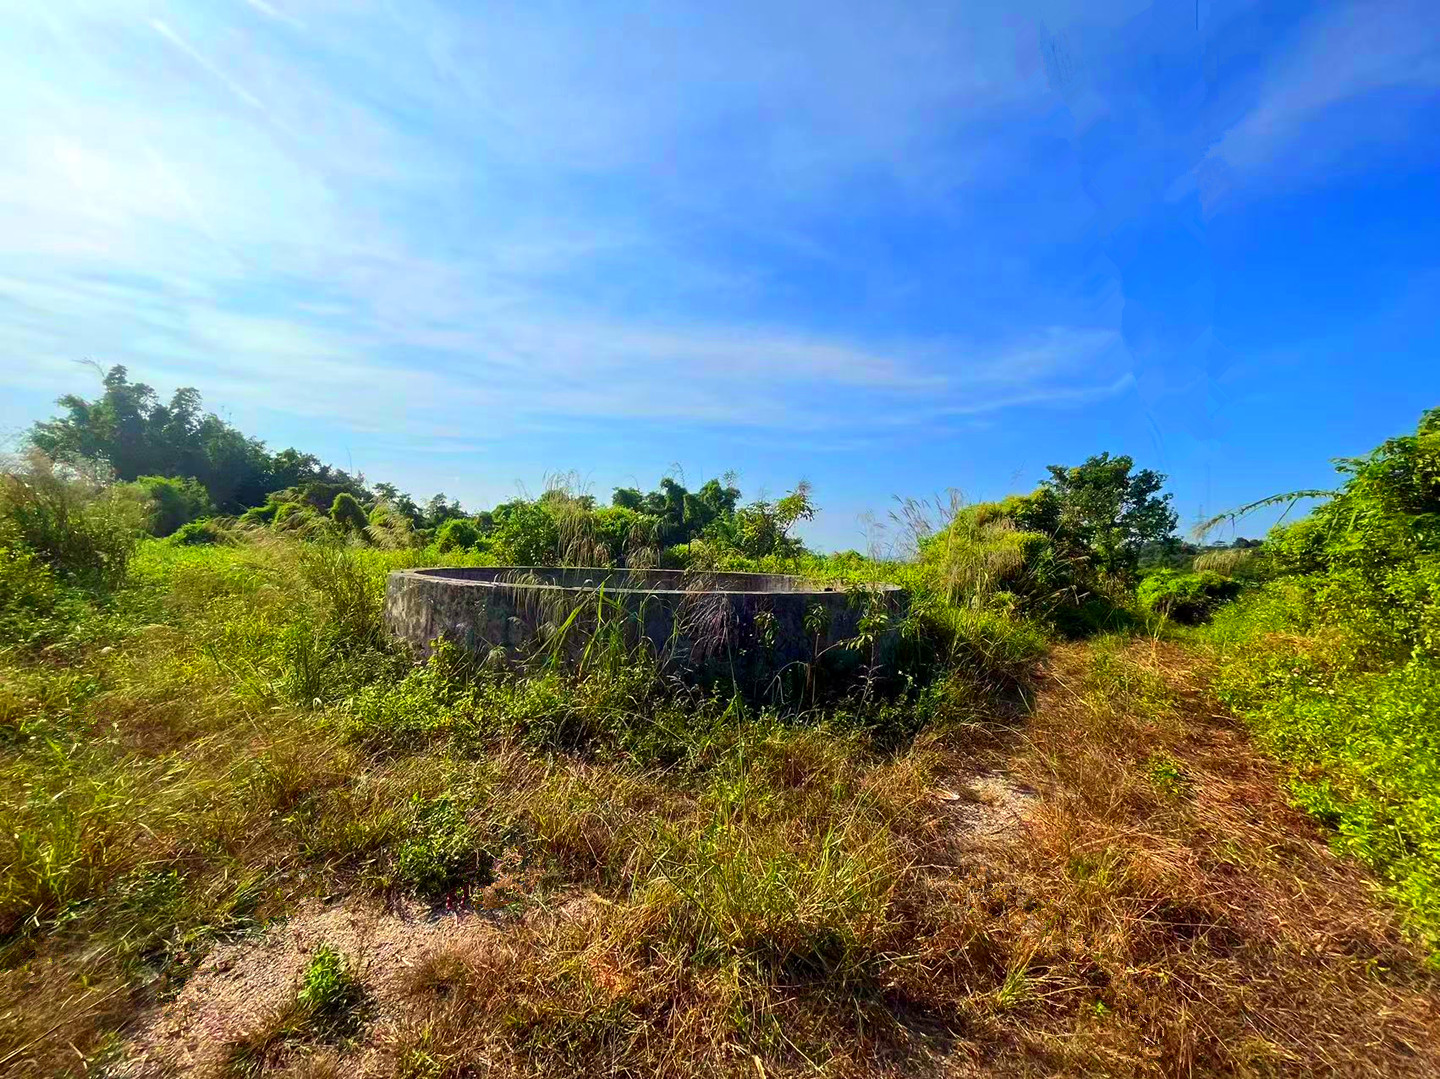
{"x":1189,"y":598}
{"x":762,"y":528}
{"x":456,"y":534}
{"x":526,"y":535}
{"x":677,"y":556}
{"x":260,"y":515}
{"x":28,"y":597}
{"x":84,"y":530}
{"x":300,"y":520}
{"x":173,"y":502}
{"x":1335,"y":662}
{"x":390,"y":529}
{"x":290,"y":515}
{"x":402,"y":716}
{"x":330,"y":996}
{"x":440,"y":849}
{"x":1363,"y":748}
{"x":623,"y":534}
{"x":201,"y":533}
{"x":983,"y":551}
{"x":347,"y":514}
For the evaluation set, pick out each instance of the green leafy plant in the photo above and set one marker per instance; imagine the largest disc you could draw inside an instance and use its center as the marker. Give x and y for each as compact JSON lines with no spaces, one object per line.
{"x":82,"y":528}
{"x":174,"y":502}
{"x":1105,"y":509}
{"x":31,"y":602}
{"x":1189,"y":598}
{"x":1165,"y":772}
{"x":1335,"y":661}
{"x":441,"y":848}
{"x":345,"y":511}
{"x":456,"y":534}
{"x":201,"y":534}
{"x":330,"y":994}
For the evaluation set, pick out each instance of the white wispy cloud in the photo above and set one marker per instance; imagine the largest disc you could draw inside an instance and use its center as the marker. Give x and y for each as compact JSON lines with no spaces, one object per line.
{"x":405,"y":212}
{"x":185,"y":47}
{"x":1345,"y":52}
{"x":273,"y":12}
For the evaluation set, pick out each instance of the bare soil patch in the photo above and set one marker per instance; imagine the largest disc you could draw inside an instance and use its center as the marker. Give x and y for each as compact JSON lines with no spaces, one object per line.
{"x":240,"y":984}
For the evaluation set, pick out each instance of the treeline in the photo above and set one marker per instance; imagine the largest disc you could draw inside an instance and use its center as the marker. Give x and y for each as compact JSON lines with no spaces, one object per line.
{"x":1073,"y":552}
{"x":670,"y":526}
{"x":186,"y":466}
{"x":133,"y":433}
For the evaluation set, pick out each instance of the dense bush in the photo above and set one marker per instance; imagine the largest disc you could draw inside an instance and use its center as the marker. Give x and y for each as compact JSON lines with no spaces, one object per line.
{"x":173,"y":502}
{"x":84,"y":530}
{"x":984,"y":551}
{"x":525,"y":534}
{"x":1066,"y":553}
{"x":622,"y":537}
{"x":288,"y":514}
{"x":200,"y":534}
{"x":29,"y":598}
{"x":347,"y":514}
{"x":1189,"y":598}
{"x":456,"y":534}
{"x":260,"y":515}
{"x":1336,"y":662}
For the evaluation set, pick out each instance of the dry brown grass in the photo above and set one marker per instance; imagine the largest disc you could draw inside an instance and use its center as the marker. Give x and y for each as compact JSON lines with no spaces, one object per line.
{"x":1111,"y":884}
{"x":1161,"y":911}
{"x":1180,"y":891}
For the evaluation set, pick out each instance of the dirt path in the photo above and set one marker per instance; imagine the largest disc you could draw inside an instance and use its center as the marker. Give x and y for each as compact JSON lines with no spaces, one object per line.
{"x":1202,"y":922}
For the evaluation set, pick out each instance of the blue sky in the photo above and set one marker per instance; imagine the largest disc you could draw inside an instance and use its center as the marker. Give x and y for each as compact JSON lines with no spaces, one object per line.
{"x":890,"y":247}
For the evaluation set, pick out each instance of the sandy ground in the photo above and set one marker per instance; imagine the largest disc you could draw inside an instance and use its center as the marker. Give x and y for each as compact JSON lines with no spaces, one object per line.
{"x":239,"y":984}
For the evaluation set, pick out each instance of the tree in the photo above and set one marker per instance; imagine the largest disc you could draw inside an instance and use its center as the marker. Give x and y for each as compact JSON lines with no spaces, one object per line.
{"x":627,"y":498}
{"x":398,"y":502}
{"x":680,"y":515}
{"x":1106,"y":511}
{"x":130,"y":432}
{"x":763,"y":528}
{"x":440,"y":509}
{"x":721,"y":500}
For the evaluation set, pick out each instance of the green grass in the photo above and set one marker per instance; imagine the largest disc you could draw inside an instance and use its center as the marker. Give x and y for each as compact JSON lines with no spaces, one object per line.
{"x":1362,"y":747}
{"x":187,"y":757}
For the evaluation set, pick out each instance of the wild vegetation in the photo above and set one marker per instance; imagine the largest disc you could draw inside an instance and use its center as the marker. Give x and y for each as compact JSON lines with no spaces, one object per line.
{"x":1335,"y":660}
{"x":1045,"y":848}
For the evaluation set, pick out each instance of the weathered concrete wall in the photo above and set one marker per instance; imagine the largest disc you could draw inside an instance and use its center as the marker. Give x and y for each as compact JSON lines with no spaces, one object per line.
{"x":746,"y":626}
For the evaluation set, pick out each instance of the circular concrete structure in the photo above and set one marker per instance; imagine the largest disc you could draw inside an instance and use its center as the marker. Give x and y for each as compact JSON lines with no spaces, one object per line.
{"x":747,"y":626}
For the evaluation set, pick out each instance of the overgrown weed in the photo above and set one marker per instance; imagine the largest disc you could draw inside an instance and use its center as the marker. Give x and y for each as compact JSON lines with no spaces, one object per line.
{"x":694,"y":884}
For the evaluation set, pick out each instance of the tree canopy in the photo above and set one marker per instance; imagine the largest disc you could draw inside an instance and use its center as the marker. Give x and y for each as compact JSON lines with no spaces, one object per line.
{"x":1105,"y":509}
{"x":130,"y":430}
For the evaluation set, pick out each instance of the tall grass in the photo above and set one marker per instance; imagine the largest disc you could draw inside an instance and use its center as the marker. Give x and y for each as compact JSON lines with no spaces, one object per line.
{"x":232,"y":730}
{"x":81,"y":527}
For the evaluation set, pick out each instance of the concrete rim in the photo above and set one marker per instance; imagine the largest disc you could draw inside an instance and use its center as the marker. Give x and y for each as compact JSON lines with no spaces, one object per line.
{"x":489,"y":577}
